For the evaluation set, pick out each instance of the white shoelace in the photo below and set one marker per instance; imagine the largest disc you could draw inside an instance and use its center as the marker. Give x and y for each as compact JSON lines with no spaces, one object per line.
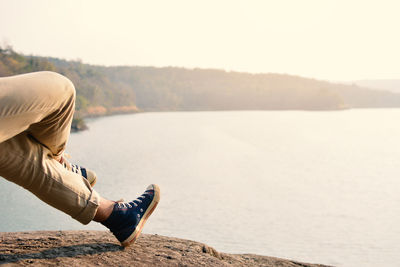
{"x":128,"y":204}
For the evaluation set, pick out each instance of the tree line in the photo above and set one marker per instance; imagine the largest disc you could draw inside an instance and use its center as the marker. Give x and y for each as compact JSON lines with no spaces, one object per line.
{"x":105,"y":90}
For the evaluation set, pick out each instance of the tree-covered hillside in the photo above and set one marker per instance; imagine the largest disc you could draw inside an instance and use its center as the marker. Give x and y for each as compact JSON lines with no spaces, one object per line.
{"x":102,"y":90}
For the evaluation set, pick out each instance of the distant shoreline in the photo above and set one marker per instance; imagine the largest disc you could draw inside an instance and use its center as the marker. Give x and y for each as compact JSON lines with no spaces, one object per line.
{"x":79,"y":121}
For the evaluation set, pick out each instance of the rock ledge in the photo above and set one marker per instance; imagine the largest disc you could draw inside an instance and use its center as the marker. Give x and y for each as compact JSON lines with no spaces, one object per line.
{"x":99,"y":248}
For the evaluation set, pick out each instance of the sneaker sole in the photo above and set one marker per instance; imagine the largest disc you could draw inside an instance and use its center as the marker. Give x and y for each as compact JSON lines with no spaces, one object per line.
{"x":132,"y":238}
{"x":93,"y":182}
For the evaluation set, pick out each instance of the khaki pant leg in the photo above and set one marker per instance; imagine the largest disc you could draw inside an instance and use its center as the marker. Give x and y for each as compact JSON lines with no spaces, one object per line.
{"x":36,"y":111}
{"x":32,"y":166}
{"x":40,"y":102}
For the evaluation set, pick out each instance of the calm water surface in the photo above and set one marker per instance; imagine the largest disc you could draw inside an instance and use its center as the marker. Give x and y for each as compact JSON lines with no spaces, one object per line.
{"x":318,"y":187}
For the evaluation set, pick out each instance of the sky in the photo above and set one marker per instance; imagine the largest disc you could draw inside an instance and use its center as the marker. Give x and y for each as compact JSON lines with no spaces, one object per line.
{"x":331,"y":40}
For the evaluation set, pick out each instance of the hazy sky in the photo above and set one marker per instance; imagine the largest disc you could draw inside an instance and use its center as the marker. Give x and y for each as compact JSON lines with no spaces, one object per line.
{"x":334,"y":40}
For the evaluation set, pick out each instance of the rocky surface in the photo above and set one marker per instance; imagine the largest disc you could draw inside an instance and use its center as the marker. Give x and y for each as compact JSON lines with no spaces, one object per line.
{"x":99,"y":248}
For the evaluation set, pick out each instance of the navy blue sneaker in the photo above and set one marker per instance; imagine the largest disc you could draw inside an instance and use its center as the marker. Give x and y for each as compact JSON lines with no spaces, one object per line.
{"x":127,"y":218}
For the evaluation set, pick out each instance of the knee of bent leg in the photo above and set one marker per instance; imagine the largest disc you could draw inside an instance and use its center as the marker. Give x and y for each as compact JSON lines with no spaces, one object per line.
{"x":69,"y":87}
{"x":65,"y":87}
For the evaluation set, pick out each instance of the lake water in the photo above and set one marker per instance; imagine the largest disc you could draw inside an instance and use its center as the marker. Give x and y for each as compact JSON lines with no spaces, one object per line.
{"x":318,"y":187}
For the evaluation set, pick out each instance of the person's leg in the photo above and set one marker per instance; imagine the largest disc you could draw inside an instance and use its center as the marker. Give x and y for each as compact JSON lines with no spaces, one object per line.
{"x":31,"y":165}
{"x":36,"y":111}
{"x":35,"y":115}
{"x":41,"y":103}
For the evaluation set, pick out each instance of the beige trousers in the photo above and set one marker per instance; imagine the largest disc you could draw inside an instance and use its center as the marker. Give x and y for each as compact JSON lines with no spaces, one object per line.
{"x":36,"y":111}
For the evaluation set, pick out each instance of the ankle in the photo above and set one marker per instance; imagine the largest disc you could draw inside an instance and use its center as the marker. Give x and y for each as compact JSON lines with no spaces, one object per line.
{"x":104,"y":210}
